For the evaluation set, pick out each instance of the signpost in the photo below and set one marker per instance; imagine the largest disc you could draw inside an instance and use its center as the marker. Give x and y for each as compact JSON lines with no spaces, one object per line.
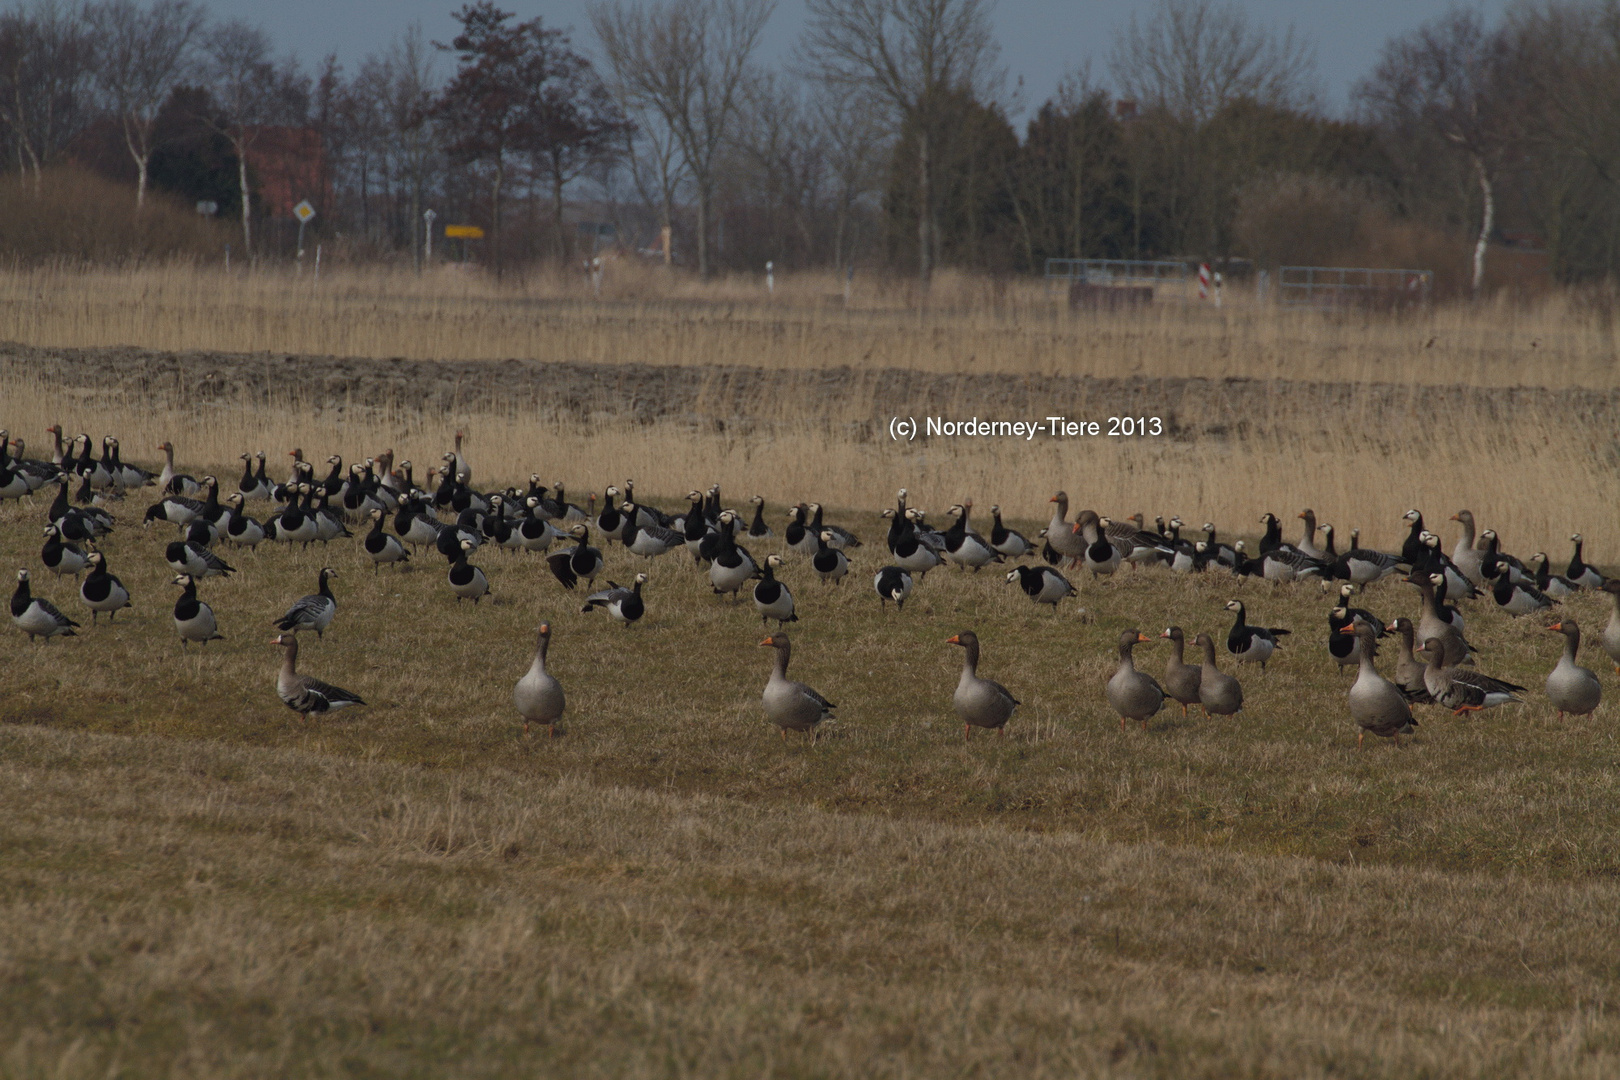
{"x":463,"y":233}
{"x":303,"y":212}
{"x":428,"y":216}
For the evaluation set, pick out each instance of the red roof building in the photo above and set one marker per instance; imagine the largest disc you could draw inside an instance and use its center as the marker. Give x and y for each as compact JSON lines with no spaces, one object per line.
{"x":290,"y":164}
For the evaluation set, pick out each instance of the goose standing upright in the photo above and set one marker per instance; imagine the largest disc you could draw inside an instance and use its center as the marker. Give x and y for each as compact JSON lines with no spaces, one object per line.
{"x":965,"y":548}
{"x":36,"y":616}
{"x":771,"y":597}
{"x":1466,"y":556}
{"x":466,"y":580}
{"x":1587,"y":577}
{"x":1042,"y":584}
{"x":1182,"y":680}
{"x":1133,"y":694}
{"x":731,"y":565}
{"x":381,"y":548}
{"x":1307,"y":543}
{"x":1251,"y":644}
{"x":1611,"y":632}
{"x":1062,"y":536}
{"x":1408,"y":670}
{"x":1219,"y":694}
{"x":582,"y":560}
{"x":1376,"y":704}
{"x":101,"y":591}
{"x":1006,"y":541}
{"x":61,"y":558}
{"x":315,"y":611}
{"x":538,"y":697}
{"x":1098,"y":554}
{"x":979,"y":702}
{"x":829,"y":563}
{"x":757,"y":529}
{"x":1433,"y":626}
{"x":791,"y":706}
{"x":1571,"y":688}
{"x":303,"y":694}
{"x":193,"y":619}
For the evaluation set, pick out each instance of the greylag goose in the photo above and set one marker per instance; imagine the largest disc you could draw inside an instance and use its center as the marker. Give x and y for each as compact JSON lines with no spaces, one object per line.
{"x":892,"y":583}
{"x":1042,"y":584}
{"x":979,"y":702}
{"x":791,"y":706}
{"x":1408,"y":669}
{"x":1307,"y":543}
{"x":466,"y":580}
{"x":1460,"y":689}
{"x":193,"y":619}
{"x":1251,"y":644}
{"x":1182,"y":681}
{"x":582,"y":560}
{"x":1005,"y":541}
{"x":1060,"y":535}
{"x":829,"y":563}
{"x":171,"y":482}
{"x":538,"y":697}
{"x":1579,"y":572}
{"x":1611,"y":632}
{"x":36,"y":616}
{"x":101,"y":591}
{"x":1219,"y":694}
{"x":1376,"y":704}
{"x":1571,"y":688}
{"x":771,"y":598}
{"x":623,"y":604}
{"x":315,"y":611}
{"x":303,"y":694}
{"x":381,"y":548}
{"x":61,"y":558}
{"x":1432,"y":626}
{"x":1466,"y":555}
{"x":1133,"y":694}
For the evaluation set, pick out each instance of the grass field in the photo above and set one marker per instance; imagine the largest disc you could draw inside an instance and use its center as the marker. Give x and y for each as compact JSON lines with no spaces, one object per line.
{"x":199,"y":884}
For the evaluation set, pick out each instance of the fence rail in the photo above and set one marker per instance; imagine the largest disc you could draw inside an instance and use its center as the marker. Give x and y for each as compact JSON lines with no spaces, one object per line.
{"x":1108,"y":272}
{"x":1343,"y":286}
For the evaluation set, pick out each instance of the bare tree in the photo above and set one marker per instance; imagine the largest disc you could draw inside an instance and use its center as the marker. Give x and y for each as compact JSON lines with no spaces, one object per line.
{"x":44,"y":73}
{"x":657,"y":171}
{"x":912,"y":55}
{"x":406,"y":84}
{"x":1445,"y":78}
{"x":687,"y":61}
{"x":141,"y":55}
{"x":853,"y":137}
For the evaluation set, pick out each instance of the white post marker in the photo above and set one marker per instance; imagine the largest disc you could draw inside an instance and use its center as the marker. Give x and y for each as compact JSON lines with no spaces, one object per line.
{"x":1217,"y":288}
{"x":428,"y":216}
{"x":317,"y":262}
{"x":770,"y":277}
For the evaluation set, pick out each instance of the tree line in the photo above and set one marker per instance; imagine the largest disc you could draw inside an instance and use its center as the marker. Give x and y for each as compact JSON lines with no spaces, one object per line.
{"x":885,"y":140}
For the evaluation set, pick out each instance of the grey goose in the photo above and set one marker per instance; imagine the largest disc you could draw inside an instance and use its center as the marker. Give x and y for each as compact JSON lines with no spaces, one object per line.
{"x":791,"y":706}
{"x":979,"y":702}
{"x":304,"y":694}
{"x":1571,"y":688}
{"x":538,"y":697}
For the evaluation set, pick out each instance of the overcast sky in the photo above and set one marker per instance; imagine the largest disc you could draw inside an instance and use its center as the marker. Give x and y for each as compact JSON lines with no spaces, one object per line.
{"x":1041,"y":40}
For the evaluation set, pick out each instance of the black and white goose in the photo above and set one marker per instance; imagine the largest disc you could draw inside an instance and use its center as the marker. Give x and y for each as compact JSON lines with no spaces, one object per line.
{"x":36,"y":616}
{"x":1579,"y":572}
{"x":646,"y":515}
{"x":582,"y":560}
{"x":1497,"y":563}
{"x":85,"y":465}
{"x":240,"y":529}
{"x":623,"y":604}
{"x":1361,"y":566}
{"x":697,"y":530}
{"x":757,"y":529}
{"x":466,"y":580}
{"x":1042,"y":584}
{"x":1224,"y":554}
{"x":731,"y":565}
{"x":59,"y":557}
{"x":301,"y":693}
{"x":179,"y":510}
{"x":892,"y":583}
{"x":295,"y":524}
{"x":1519,"y":597}
{"x":124,"y":475}
{"x":534,"y":533}
{"x":772,"y":599}
{"x":253,"y":485}
{"x":1251,"y":644}
{"x":101,"y":591}
{"x":413,"y":526}
{"x":462,"y":469}
{"x":842,"y":538}
{"x":382,"y":549}
{"x":1007,"y":542}
{"x":193,"y":619}
{"x":1412,"y":548}
{"x":609,"y":520}
{"x":1100,"y":554}
{"x":77,"y":523}
{"x":329,"y":524}
{"x":172,"y":482}
{"x":1286,"y":563}
{"x":1436,"y":561}
{"x":647,"y":538}
{"x":964,"y":548}
{"x":13,"y":481}
{"x":315,"y":611}
{"x":829,"y":563}
{"x":185,"y":557}
{"x":905,"y":544}
{"x":37,"y":473}
{"x":1554,"y":585}
{"x":798,"y":536}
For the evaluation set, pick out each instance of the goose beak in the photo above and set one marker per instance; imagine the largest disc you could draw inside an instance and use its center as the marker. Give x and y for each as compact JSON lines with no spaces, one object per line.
{"x":1556,"y":626}
{"x":545,"y":628}
{"x":1052,"y":499}
{"x":1165,"y":634}
{"x":769,"y":641}
{"x":1076,"y":528}
{"x":954,"y":639}
{"x":1390,"y":628}
{"x":1143,"y":639}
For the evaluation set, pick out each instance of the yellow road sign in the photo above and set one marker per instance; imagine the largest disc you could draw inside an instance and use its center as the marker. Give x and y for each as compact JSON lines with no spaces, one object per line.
{"x":464,"y":232}
{"x":303,"y":211}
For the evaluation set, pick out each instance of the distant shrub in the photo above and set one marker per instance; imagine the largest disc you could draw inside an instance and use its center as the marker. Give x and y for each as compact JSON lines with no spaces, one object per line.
{"x":76,"y":216}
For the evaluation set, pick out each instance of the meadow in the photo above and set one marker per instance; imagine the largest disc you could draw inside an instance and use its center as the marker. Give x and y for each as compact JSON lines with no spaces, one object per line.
{"x":199,"y":883}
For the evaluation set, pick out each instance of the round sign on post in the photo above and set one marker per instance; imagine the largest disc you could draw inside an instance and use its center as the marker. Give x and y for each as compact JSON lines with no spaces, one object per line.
{"x":303,"y":212}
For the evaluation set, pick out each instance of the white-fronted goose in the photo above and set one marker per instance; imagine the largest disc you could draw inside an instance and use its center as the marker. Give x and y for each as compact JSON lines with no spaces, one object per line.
{"x":1408,"y":669}
{"x":1587,"y":577}
{"x":892,"y":583}
{"x":193,"y":619}
{"x":185,"y":557}
{"x":1376,"y":704}
{"x":315,"y":611}
{"x":59,"y":557}
{"x":303,"y":694}
{"x":1461,"y":689}
{"x":538,"y":697}
{"x":466,"y":580}
{"x":1005,"y":541}
{"x":101,"y":591}
{"x":1466,"y":556}
{"x":623,"y":604}
{"x":1251,"y":644}
{"x":381,"y":548}
{"x":1133,"y":694}
{"x":979,"y":702}
{"x":1219,"y":694}
{"x":171,"y":482}
{"x":791,"y":706}
{"x":829,"y":563}
{"x":965,"y":548}
{"x":1182,"y":680}
{"x":771,"y":597}
{"x":582,"y":560}
{"x":1042,"y":584}
{"x":1571,"y":688}
{"x":36,"y":616}
{"x":1062,"y":537}
{"x":1554,"y":585}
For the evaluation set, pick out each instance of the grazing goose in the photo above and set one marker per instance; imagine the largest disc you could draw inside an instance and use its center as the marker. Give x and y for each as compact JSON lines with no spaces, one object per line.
{"x":964,"y":548}
{"x":1519,"y":598}
{"x":171,"y":482}
{"x":303,"y":694}
{"x":1182,"y":681}
{"x":1466,"y":555}
{"x":101,"y":591}
{"x":1064,"y":538}
{"x":757,"y":529}
{"x":771,"y":598}
{"x":1579,"y":572}
{"x":829,"y":563}
{"x":1133,"y":694}
{"x":1611,"y":632}
{"x":466,"y":580}
{"x":36,"y":616}
{"x":979,"y":702}
{"x":185,"y":557}
{"x":1376,"y":704}
{"x":647,"y":538}
{"x":580,"y":561}
{"x":381,"y":548}
{"x":1219,"y":694}
{"x":1408,"y":669}
{"x":192,"y":618}
{"x":1432,"y":626}
{"x":1307,"y":543}
{"x":731,"y":565}
{"x":1554,"y":585}
{"x":315,"y":611}
{"x":892,"y":583}
{"x":60,"y":558}
{"x":623,"y":604}
{"x":1251,"y":644}
{"x":1099,"y":555}
{"x":538,"y":697}
{"x":1571,"y":688}
{"x":1460,"y":689}
{"x":791,"y":706}
{"x":1006,"y":541}
{"x":1042,"y":584}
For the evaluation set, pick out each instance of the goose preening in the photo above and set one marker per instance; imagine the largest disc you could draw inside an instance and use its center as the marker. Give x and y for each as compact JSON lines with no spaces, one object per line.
{"x":1376,"y":704}
{"x":623,"y":604}
{"x":36,"y":616}
{"x":1461,"y":689}
{"x":466,"y":580}
{"x":1219,"y":694}
{"x":381,"y":548}
{"x":538,"y":697}
{"x":892,"y":583}
{"x":1571,"y":688}
{"x":771,"y":597}
{"x":1251,"y":644}
{"x":193,"y":619}
{"x":302,"y":693}
{"x":315,"y":611}
{"x":1182,"y":681}
{"x":791,"y":706}
{"x":1133,"y":694}
{"x":101,"y":591}
{"x":979,"y":702}
{"x":1042,"y":584}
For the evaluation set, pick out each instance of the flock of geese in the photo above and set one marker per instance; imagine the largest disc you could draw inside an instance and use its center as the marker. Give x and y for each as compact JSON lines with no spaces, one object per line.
{"x":395,"y":518}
